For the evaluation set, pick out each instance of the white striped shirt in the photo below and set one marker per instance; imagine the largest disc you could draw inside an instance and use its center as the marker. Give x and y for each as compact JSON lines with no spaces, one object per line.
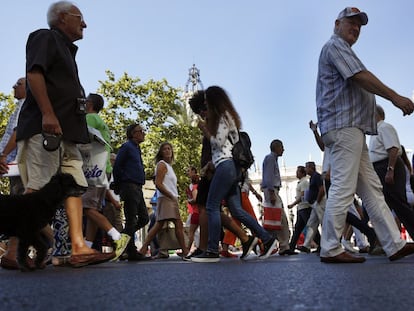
{"x":340,"y":102}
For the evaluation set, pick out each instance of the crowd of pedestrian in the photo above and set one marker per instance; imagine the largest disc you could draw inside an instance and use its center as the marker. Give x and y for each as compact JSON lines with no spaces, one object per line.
{"x":362,"y":189}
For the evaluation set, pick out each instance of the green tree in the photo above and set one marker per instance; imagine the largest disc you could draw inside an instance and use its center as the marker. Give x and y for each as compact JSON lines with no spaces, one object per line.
{"x":7,"y":106}
{"x":159,"y":108}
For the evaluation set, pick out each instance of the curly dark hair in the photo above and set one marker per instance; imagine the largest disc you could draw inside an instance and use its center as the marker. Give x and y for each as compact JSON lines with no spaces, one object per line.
{"x":197,"y":102}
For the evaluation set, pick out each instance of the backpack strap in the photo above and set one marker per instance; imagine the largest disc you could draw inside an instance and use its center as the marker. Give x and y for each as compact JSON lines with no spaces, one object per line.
{"x":231,"y":140}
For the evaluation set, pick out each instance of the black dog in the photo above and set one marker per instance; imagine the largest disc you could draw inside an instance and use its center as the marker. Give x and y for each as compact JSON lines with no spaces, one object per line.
{"x":25,"y":215}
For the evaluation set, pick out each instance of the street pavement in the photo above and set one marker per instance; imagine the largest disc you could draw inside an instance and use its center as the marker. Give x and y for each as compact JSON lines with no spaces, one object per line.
{"x":298,"y":282}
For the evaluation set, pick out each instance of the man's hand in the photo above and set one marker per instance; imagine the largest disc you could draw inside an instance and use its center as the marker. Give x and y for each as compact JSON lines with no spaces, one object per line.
{"x":313,"y":126}
{"x":368,"y":81}
{"x":272,"y":197}
{"x":389,"y":177}
{"x":4,"y":168}
{"x":51,"y":125}
{"x":404,"y":103}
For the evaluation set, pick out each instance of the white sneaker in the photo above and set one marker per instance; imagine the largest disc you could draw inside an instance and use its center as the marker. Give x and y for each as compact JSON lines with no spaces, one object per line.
{"x":348,"y":246}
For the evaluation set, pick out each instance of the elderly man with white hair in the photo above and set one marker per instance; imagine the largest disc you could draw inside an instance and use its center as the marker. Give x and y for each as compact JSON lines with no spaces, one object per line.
{"x":55,"y":109}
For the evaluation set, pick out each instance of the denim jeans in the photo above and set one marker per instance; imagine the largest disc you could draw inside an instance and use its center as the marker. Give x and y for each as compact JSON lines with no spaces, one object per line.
{"x":224,"y":185}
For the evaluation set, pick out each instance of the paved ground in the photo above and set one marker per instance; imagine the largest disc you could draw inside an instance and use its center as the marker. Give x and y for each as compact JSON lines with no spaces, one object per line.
{"x":279,"y":283}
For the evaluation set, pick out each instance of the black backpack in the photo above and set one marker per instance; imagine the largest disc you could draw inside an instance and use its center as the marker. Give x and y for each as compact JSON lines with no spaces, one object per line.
{"x":242,"y":155}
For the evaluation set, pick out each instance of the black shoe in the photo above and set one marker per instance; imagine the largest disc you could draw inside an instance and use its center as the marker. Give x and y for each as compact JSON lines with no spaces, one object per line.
{"x":160,"y":256}
{"x":364,"y":250}
{"x":288,"y":252}
{"x":137,"y":256}
{"x":206,"y":257}
{"x":268,"y":248}
{"x":193,"y":254}
{"x":304,"y":249}
{"x":248,"y":246}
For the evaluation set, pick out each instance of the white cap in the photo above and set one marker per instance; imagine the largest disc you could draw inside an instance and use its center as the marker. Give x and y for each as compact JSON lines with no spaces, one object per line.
{"x":351,"y":11}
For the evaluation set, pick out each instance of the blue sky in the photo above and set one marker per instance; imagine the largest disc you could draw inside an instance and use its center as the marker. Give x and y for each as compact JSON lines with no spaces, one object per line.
{"x":264,"y":53}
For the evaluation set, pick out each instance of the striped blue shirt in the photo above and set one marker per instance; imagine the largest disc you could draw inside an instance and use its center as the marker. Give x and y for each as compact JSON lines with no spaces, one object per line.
{"x":11,"y":125}
{"x":341,"y":102}
{"x":270,"y":172}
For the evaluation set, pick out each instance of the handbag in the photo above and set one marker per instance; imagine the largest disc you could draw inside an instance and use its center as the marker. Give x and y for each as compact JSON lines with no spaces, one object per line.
{"x":272,"y":215}
{"x":167,"y":239}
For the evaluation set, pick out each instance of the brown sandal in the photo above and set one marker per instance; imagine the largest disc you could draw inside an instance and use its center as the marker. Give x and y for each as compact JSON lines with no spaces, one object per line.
{"x":9,"y":264}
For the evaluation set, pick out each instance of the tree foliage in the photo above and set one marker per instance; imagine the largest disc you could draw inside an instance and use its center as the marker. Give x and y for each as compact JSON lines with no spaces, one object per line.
{"x":7,"y":107}
{"x":160,"y":109}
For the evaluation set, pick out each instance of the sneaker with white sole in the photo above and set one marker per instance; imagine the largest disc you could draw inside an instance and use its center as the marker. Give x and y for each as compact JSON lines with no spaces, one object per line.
{"x":248,"y":246}
{"x":269,"y":246}
{"x":193,"y":254}
{"x":206,"y":257}
{"x":121,"y":245}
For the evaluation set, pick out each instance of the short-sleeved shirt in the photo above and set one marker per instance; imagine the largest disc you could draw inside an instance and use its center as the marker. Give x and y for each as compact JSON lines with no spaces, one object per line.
{"x":302,"y":187}
{"x":54,"y":54}
{"x":270,"y":172}
{"x":315,"y":183}
{"x":340,"y":101}
{"x":379,"y":144}
{"x":11,"y":125}
{"x":95,"y":121}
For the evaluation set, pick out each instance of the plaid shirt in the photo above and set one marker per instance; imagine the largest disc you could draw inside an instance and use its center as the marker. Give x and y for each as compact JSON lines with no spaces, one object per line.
{"x":340,"y":102}
{"x":11,"y":125}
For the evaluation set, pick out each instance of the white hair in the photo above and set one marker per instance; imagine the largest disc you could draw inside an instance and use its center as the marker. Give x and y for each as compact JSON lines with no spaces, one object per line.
{"x":55,"y":9}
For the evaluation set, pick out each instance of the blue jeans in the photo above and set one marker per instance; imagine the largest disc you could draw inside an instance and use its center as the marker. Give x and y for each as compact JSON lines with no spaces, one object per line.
{"x":224,"y":185}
